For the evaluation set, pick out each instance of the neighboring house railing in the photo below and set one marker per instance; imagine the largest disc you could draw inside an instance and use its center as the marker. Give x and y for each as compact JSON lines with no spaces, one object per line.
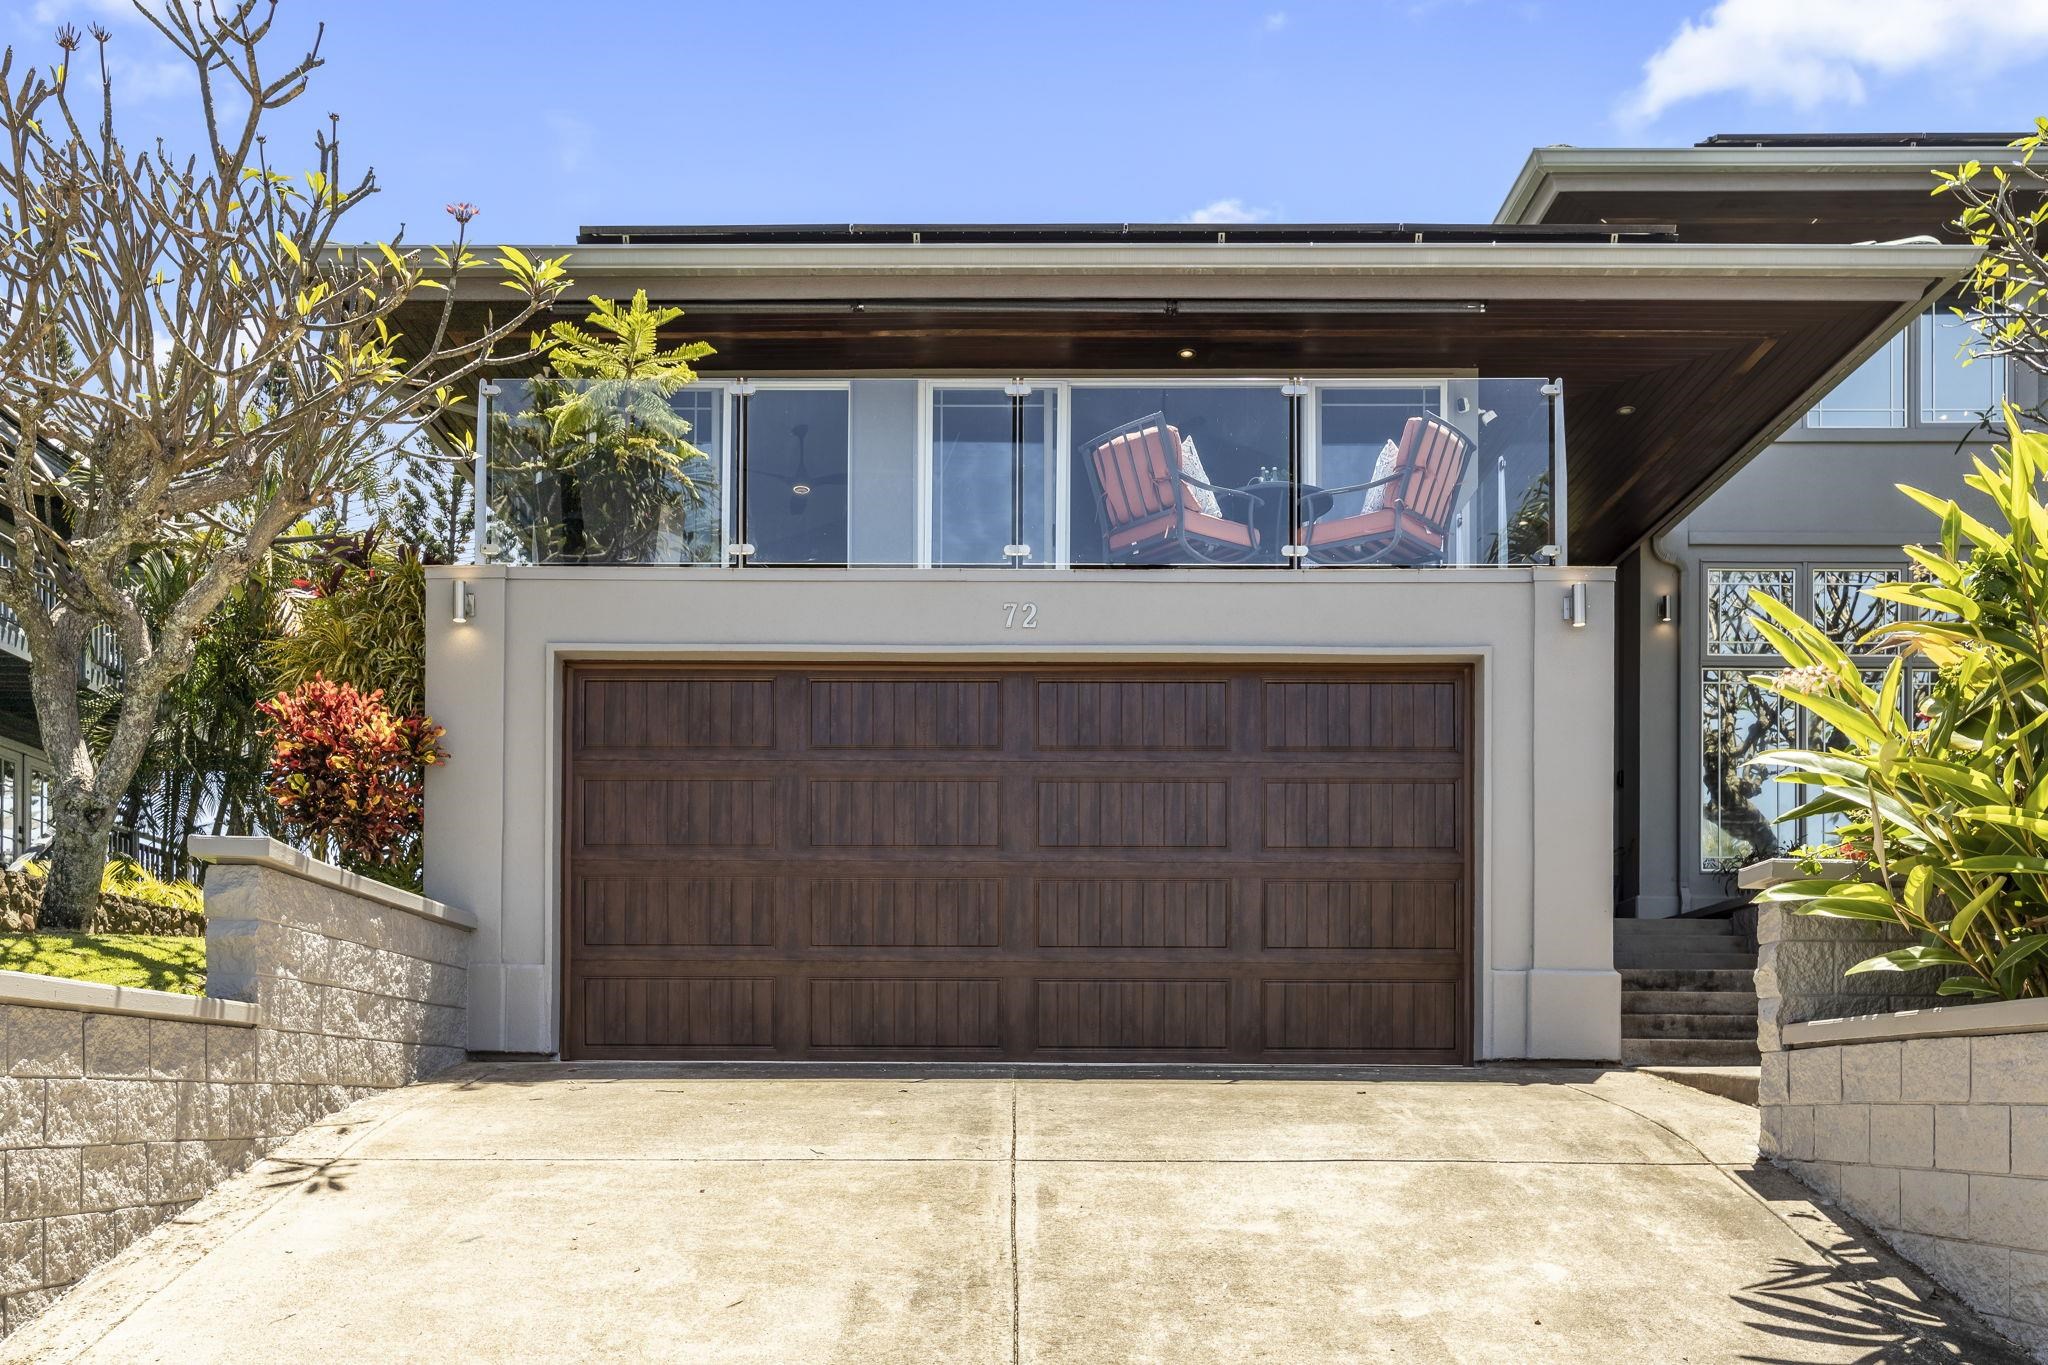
{"x":1051,"y":473}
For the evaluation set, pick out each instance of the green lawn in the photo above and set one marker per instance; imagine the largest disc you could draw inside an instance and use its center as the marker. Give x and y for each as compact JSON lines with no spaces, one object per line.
{"x":157,"y":961}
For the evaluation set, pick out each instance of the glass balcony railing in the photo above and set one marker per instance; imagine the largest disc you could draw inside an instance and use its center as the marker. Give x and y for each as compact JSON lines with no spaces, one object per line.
{"x":1073,"y":473}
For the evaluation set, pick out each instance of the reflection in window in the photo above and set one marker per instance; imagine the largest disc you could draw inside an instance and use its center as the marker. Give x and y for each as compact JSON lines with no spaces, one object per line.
{"x":1873,"y":396}
{"x":1843,"y":607}
{"x":1178,"y":475}
{"x":1953,"y":387}
{"x":604,"y":472}
{"x":1741,"y":805}
{"x":796,"y":476}
{"x":1355,"y":429}
{"x":1729,"y":609}
{"x":979,"y":470}
{"x":1823,"y":737}
{"x":39,"y":828}
{"x":10,"y":810}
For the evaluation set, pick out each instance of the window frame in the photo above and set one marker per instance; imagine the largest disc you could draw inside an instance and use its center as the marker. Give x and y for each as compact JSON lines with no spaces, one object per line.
{"x":1913,"y":343}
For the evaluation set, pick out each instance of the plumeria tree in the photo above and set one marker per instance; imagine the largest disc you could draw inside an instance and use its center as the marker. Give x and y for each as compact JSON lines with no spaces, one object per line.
{"x":192,"y":359}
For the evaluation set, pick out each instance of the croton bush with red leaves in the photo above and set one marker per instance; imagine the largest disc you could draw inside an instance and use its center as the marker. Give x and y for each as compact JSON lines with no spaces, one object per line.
{"x":348,"y":776}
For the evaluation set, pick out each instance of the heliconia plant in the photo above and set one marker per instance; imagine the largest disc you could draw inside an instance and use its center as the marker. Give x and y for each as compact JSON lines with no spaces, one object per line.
{"x":1948,"y":807}
{"x":348,"y":775}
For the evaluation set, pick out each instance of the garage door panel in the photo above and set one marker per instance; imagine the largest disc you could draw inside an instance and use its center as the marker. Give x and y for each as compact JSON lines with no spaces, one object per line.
{"x":891,"y":715}
{"x":1333,"y":1016}
{"x":1101,"y":912}
{"x":889,"y":812}
{"x":703,"y":812}
{"x":1360,"y":716}
{"x":722,"y":1013}
{"x":902,"y":912}
{"x":1153,"y":715}
{"x":643,"y":713}
{"x":1364,"y":914}
{"x":695,"y":912}
{"x":1018,"y":861}
{"x":1158,"y":813}
{"x":914,"y":1013}
{"x":1121,"y":1015}
{"x":1362,"y":815}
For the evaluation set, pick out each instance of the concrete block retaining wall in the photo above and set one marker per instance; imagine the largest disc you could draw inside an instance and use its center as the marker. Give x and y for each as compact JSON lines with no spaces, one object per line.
{"x":1925,"y":1119}
{"x":120,"y":1107}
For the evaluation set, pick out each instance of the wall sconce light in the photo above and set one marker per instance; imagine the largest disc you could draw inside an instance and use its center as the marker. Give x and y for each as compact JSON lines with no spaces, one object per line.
{"x":1664,"y":616}
{"x":465,"y":603}
{"x":1575,"y":606}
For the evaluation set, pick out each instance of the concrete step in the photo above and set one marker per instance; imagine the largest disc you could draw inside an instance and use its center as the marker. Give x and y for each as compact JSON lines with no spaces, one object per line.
{"x":1730,"y":1082}
{"x":1690,"y":1052}
{"x":1675,"y":928}
{"x":1689,"y":1002}
{"x":1681,"y":959}
{"x":1687,"y":979}
{"x":1689,"y":1026}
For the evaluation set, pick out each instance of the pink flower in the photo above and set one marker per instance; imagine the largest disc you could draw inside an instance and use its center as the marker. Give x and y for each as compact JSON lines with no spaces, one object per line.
{"x":461,"y":212}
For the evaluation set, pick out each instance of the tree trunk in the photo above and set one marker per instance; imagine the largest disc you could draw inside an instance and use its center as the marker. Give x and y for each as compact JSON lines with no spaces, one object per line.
{"x":78,"y":860}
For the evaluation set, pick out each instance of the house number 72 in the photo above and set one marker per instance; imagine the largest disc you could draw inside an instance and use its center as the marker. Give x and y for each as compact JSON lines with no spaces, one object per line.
{"x":1020,"y":616}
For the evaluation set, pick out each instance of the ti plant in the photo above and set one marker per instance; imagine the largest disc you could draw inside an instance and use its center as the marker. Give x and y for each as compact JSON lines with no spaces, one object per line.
{"x":1949,"y":806}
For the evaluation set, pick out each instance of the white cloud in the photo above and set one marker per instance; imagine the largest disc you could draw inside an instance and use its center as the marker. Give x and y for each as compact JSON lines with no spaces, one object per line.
{"x":1228,"y":211}
{"x":1807,"y":53}
{"x":1275,"y":21}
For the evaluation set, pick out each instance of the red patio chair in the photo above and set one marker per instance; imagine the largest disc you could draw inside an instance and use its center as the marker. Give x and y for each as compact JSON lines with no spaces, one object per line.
{"x":1409,"y":526}
{"x":1149,"y":511}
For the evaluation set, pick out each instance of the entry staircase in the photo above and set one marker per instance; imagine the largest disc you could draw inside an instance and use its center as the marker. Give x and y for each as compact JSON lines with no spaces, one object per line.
{"x":1688,"y":993}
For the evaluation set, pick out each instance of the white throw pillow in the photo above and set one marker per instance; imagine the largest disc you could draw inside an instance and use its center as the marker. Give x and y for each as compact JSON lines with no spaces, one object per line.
{"x":1389,"y":460}
{"x":1191,"y":465}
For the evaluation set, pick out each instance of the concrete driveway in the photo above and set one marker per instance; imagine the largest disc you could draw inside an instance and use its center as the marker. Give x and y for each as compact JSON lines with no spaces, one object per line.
{"x":581,"y":1212}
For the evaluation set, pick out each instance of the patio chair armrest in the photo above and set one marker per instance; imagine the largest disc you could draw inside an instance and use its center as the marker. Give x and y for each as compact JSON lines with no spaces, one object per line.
{"x":1192,"y":481}
{"x":1361,"y":487}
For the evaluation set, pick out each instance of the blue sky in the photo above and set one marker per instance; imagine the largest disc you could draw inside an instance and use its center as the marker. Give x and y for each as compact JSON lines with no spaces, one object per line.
{"x":550,"y":114}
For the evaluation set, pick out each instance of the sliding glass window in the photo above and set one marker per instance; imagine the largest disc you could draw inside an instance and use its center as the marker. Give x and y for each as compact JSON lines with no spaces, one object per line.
{"x":993,"y":475}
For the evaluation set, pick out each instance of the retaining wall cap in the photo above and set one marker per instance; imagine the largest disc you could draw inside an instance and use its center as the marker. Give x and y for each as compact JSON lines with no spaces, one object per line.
{"x":1773,"y":871}
{"x":62,"y":993}
{"x":255,"y":850}
{"x":1949,"y":1021}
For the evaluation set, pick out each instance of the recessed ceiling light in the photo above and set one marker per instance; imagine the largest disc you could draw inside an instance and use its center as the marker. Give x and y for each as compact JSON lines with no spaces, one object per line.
{"x":1626,"y":409}
{"x":1187,"y":353}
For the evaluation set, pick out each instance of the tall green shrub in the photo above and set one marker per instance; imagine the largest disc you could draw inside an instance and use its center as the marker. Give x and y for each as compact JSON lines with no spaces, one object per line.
{"x":1949,"y":807}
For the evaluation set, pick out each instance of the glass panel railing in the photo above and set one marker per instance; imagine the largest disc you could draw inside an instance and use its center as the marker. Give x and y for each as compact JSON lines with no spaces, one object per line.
{"x":602,"y":472}
{"x":993,"y":475}
{"x":1380,"y":473}
{"x":1448,"y":473}
{"x":1181,"y":475}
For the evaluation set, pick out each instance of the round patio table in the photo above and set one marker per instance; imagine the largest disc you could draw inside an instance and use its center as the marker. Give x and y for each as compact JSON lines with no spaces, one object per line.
{"x":1271,"y":516}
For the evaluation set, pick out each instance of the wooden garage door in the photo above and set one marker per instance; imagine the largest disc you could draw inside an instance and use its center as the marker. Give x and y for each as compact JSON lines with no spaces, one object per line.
{"x":1156,"y":863}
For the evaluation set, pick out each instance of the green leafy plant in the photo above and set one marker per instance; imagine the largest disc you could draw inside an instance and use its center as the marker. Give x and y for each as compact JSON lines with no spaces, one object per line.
{"x":1950,"y":807}
{"x":359,"y":617}
{"x":348,"y":776}
{"x":592,"y":461}
{"x":125,"y":877}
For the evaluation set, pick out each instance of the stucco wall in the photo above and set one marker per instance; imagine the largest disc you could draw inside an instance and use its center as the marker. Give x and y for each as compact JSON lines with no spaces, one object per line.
{"x":120,"y":1107}
{"x":1546,"y":986}
{"x":1929,"y":1125}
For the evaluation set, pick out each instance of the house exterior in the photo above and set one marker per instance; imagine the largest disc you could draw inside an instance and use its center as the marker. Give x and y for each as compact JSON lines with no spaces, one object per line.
{"x":1106,"y":643}
{"x":1814,"y":519}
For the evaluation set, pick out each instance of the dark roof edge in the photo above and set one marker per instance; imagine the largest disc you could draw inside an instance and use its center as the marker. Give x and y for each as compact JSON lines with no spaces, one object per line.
{"x":768,"y":234}
{"x":1860,"y":140}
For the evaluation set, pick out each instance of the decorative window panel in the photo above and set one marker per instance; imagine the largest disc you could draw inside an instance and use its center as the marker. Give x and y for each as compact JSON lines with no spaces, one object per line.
{"x":1729,"y":629}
